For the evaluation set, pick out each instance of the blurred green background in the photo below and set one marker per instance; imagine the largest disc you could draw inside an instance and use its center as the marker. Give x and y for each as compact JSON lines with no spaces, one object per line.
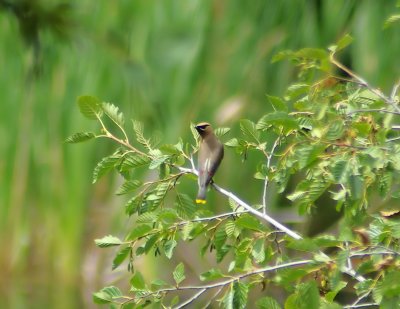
{"x":165,"y":63}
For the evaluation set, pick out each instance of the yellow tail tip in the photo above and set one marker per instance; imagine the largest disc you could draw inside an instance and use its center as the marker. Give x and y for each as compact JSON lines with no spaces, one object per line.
{"x":199,"y":201}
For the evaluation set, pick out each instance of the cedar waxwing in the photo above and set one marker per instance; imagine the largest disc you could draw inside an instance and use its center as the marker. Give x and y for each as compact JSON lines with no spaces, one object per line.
{"x":211,"y":152}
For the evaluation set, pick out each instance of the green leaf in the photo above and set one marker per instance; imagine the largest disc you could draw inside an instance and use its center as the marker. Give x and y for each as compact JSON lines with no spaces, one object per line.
{"x":138,"y":129}
{"x":249,"y":222}
{"x":278,"y":119}
{"x":80,"y":137}
{"x":335,"y":130}
{"x":121,"y":256}
{"x":157,"y":161}
{"x":90,"y":107}
{"x":128,"y":186}
{"x":308,"y":154}
{"x":228,"y":298}
{"x":305,"y":244}
{"x":185,"y":206}
{"x":232,"y":143}
{"x":134,"y":161}
{"x":139,"y":231}
{"x":391,"y":20}
{"x":258,"y":251}
{"x":195,"y":134}
{"x":169,"y":247}
{"x":296,"y":90}
{"x":240,"y":294}
{"x":105,"y":166}
{"x":113,"y":113}
{"x":341,"y":170}
{"x":249,"y":130}
{"x":342,"y":43}
{"x":267,"y":303}
{"x":133,"y":205}
{"x":277,"y":104}
{"x":156,"y":196}
{"x":137,"y":282}
{"x":108,"y":241}
{"x":308,"y":296}
{"x":107,"y":295}
{"x":179,"y":273}
{"x":212,"y":274}
{"x":221,"y":131}
{"x":356,"y":186}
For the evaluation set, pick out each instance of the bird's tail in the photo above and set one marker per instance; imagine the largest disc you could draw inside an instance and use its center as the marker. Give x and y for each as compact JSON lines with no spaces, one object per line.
{"x":201,"y":195}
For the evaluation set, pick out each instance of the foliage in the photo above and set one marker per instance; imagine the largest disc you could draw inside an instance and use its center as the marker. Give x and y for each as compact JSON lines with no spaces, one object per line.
{"x":338,"y":134}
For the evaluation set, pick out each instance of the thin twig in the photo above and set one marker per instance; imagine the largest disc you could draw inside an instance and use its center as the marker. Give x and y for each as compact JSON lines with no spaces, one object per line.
{"x":364,"y":83}
{"x":269,"y":158}
{"x":191,"y":299}
{"x":362,"y":305}
{"x":372,"y":110}
{"x":231,"y":279}
{"x":394,"y":91}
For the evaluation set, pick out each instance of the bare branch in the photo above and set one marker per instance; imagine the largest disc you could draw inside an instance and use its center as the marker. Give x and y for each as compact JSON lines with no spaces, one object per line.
{"x":377,"y":110}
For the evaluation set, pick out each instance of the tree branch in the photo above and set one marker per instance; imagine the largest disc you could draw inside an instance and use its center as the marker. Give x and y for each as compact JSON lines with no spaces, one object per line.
{"x":388,"y":100}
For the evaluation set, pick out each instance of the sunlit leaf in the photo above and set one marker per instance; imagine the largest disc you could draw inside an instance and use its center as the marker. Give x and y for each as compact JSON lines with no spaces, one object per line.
{"x":80,"y":137}
{"x":107,"y":295}
{"x":179,"y":273}
{"x":108,"y":241}
{"x":90,"y":107}
{"x":113,"y":113}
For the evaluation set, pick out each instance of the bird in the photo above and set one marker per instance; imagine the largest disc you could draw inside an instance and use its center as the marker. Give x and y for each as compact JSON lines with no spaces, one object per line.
{"x":211,"y":152}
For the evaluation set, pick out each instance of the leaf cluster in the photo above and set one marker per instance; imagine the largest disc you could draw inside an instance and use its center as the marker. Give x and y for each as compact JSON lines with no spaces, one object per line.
{"x":337,"y":134}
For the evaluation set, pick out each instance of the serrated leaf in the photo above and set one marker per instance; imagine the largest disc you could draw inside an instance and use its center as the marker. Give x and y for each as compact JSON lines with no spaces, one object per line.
{"x":308,"y":154}
{"x":296,"y":90}
{"x":139,"y":231}
{"x":138,"y":129}
{"x":90,"y":107}
{"x":232,"y":143}
{"x":155,"y":197}
{"x":308,"y":296}
{"x":277,"y":104}
{"x":105,"y":166}
{"x":80,"y":137}
{"x":179,"y":273}
{"x":169,"y":247}
{"x":267,"y":303}
{"x":249,"y":222}
{"x":157,"y":161}
{"x":221,"y":131}
{"x":107,"y":295}
{"x":248,"y":129}
{"x":228,"y":298}
{"x":134,"y":161}
{"x":258,"y":251}
{"x":340,"y":170}
{"x":128,"y":186}
{"x":335,"y":130}
{"x":108,"y":241}
{"x":279,"y":119}
{"x":113,"y":113}
{"x":185,"y":206}
{"x":133,"y":205}
{"x":240,"y":294}
{"x":137,"y":282}
{"x":212,"y":274}
{"x":120,"y":257}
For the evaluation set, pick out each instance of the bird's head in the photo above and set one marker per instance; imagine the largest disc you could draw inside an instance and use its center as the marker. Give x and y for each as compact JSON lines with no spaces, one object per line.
{"x":203,"y":128}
